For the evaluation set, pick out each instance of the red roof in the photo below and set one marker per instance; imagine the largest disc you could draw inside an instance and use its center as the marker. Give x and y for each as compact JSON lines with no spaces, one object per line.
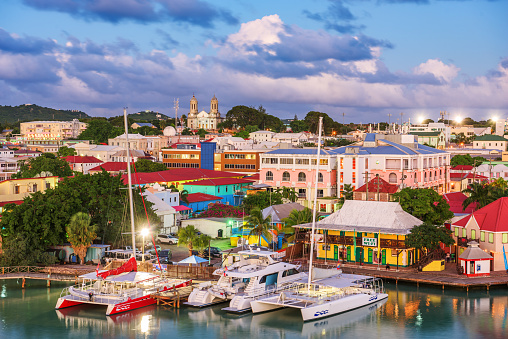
{"x":180,"y":208}
{"x":198,"y":197}
{"x":384,"y":186}
{"x":455,"y":200}
{"x":111,"y":167}
{"x":253,"y":177}
{"x":219,"y":182}
{"x":178,"y":174}
{"x":17,"y":202}
{"x":462,"y":176}
{"x":491,"y":218}
{"x":462,"y":168}
{"x":76,"y":159}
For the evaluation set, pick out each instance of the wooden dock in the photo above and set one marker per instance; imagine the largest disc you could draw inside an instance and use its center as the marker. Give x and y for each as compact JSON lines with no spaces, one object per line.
{"x":443,"y":279}
{"x":52,"y":273}
{"x":173,"y":298}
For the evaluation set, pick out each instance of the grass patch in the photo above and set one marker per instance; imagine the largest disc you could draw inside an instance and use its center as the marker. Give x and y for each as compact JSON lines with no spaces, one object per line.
{"x":223,"y":244}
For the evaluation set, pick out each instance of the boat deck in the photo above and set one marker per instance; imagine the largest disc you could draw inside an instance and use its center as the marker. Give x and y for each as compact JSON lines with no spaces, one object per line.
{"x":173,"y":298}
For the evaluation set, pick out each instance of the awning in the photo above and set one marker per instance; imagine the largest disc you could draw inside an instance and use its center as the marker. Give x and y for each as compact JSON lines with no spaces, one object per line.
{"x":180,"y":208}
{"x":193,"y":259}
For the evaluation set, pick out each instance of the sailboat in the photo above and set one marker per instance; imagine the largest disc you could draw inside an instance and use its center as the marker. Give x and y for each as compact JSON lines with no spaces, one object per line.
{"x":326,"y":292}
{"x":122,"y":289}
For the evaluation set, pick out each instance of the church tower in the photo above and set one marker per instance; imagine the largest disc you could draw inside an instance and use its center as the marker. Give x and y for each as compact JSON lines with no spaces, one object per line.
{"x":193,"y":106}
{"x":214,"y":107}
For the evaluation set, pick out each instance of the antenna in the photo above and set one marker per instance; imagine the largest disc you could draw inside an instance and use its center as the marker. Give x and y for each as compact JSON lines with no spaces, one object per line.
{"x":176,"y":106}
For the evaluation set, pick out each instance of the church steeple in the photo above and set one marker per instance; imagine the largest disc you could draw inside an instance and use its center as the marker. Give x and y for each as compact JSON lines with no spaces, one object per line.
{"x":193,"y":106}
{"x":214,"y":106}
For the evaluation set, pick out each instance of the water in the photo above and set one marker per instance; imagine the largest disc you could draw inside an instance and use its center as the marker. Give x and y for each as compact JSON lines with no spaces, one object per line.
{"x":409,"y":312}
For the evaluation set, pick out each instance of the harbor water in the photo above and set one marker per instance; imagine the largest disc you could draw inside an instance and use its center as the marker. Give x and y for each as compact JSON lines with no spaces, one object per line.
{"x":409,"y":312}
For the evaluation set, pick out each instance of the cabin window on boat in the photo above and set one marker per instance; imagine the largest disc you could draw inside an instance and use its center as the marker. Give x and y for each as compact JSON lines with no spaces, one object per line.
{"x":269,"y":279}
{"x":289,"y":272}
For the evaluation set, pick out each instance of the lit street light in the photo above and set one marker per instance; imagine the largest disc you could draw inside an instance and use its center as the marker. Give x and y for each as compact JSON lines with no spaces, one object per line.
{"x":144,"y":232}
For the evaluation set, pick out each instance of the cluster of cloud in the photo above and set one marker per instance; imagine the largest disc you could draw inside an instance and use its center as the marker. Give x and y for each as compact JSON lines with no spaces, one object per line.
{"x":265,"y":62}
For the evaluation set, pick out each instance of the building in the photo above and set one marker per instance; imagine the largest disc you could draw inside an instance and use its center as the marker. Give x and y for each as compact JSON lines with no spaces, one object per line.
{"x":8,"y":167}
{"x":488,"y":226}
{"x":165,"y":212}
{"x":294,"y":139}
{"x":198,"y":202}
{"x":181,"y":158}
{"x":134,"y":155}
{"x":232,"y":143}
{"x":460,"y":181}
{"x":501,"y":125}
{"x":231,"y":190}
{"x":455,"y":200}
{"x":51,"y":130}
{"x":433,"y":139}
{"x":260,"y":136}
{"x":245,"y":161}
{"x":136,"y":142}
{"x":82,"y":164}
{"x":15,"y":190}
{"x":376,"y":189}
{"x":204,"y":120}
{"x":279,"y":212}
{"x":470,"y":130}
{"x":490,"y":141}
{"x":102,"y":152}
{"x":433,"y":127}
{"x":492,"y":171}
{"x":475,"y":262}
{"x":44,"y":148}
{"x":371,"y":232}
{"x":113,"y":168}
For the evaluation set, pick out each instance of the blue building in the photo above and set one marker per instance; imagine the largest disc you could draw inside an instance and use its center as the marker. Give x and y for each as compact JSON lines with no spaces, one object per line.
{"x":231,"y":190}
{"x":207,"y":155}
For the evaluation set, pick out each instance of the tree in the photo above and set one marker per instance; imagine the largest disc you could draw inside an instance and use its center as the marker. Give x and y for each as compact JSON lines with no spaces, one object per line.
{"x":483,"y":193}
{"x":145,"y":166}
{"x":261,"y":199}
{"x":187,"y":131}
{"x":424,"y":204}
{"x":259,"y":224}
{"x":184,"y":194}
{"x":347,"y":193}
{"x":17,"y":251}
{"x":298,"y":126}
{"x":428,"y":236}
{"x":99,"y":130}
{"x":202,"y":132}
{"x":187,"y":237}
{"x":201,"y":242}
{"x":47,"y":162}
{"x":467,"y":160}
{"x":65,"y":151}
{"x":312,"y":120}
{"x":81,"y":234}
{"x":297,"y":217}
{"x":337,"y":142}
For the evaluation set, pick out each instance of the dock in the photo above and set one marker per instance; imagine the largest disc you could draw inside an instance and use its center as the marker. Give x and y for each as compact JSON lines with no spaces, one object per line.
{"x":52,"y":273}
{"x":173,"y":298}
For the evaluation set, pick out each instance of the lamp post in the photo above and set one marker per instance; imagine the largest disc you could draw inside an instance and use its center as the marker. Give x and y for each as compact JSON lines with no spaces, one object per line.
{"x":144,"y":232}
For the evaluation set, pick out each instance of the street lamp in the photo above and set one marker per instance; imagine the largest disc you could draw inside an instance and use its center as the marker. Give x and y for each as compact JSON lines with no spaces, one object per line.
{"x":144,"y":232}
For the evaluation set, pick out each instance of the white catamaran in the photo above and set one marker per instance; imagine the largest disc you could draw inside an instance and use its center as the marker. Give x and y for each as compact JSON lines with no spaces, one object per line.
{"x":326,"y":292}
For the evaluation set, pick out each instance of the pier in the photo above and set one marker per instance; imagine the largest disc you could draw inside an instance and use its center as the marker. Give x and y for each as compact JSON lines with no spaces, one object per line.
{"x":173,"y":298}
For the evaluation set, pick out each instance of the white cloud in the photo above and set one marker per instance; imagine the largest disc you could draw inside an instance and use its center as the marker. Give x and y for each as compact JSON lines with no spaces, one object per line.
{"x":440,"y":70}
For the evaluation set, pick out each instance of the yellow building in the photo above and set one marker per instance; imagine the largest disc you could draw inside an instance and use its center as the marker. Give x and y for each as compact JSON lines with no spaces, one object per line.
{"x":370,"y":232}
{"x":15,"y":190}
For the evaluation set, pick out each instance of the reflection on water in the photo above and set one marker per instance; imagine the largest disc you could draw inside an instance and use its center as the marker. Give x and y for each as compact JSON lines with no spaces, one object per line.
{"x":409,"y":312}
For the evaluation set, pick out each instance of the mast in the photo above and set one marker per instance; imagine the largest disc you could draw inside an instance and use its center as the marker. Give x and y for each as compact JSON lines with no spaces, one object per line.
{"x":315,"y":201}
{"x":129,"y":180}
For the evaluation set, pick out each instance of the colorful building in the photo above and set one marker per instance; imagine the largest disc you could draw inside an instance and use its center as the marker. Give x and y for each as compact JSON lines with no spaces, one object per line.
{"x":231,"y":190}
{"x":371,"y":232}
{"x":15,"y":190}
{"x":51,"y":130}
{"x":246,"y":161}
{"x":200,"y":201}
{"x":376,"y":190}
{"x":82,"y":164}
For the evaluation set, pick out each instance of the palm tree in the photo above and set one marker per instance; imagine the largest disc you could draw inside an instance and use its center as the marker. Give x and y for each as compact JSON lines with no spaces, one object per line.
{"x":201,"y":242}
{"x":347,"y":194}
{"x":297,"y":217}
{"x":184,"y":195}
{"x":187,"y":237}
{"x":259,"y":224}
{"x":481,"y":193}
{"x":81,"y":234}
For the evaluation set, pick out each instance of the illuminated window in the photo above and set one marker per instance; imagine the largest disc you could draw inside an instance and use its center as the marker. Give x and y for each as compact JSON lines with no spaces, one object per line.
{"x":354,"y":163}
{"x":482,"y":236}
{"x":341,"y":177}
{"x":354,"y":178}
{"x":505,"y":238}
{"x":341,"y":163}
{"x":456,"y":231}
{"x":464,"y":233}
{"x":473,"y":234}
{"x":491,"y":237}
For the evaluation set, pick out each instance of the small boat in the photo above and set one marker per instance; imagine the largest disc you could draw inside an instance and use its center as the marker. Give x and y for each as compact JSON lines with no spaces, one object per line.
{"x":256,"y":273}
{"x":121,"y":290}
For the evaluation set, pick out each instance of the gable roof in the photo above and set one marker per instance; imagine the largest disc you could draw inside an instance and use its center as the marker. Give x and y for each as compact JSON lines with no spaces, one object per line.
{"x":77,"y":159}
{"x":110,"y":167}
{"x":490,"y":137}
{"x":462,"y":168}
{"x":455,"y":200}
{"x":384,"y":186}
{"x":219,"y":182}
{"x":490,"y":218}
{"x":281,"y":211}
{"x":462,"y":176}
{"x":198,"y":197}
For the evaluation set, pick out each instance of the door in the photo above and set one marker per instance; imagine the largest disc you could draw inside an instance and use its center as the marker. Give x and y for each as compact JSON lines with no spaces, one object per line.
{"x":348,"y":253}
{"x":383,"y":257}
{"x":369,"y":260}
{"x":336,"y":252}
{"x":359,"y":254}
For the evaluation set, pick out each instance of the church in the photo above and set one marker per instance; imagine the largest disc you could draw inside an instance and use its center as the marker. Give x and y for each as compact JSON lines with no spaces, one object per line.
{"x":208,"y":121}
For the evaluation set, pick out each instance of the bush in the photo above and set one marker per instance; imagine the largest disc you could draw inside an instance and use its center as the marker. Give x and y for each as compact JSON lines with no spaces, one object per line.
{"x":218,"y":210}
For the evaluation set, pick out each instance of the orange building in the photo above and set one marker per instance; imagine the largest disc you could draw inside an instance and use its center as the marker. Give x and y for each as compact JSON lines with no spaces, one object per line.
{"x":181,"y":158}
{"x":246,"y":161}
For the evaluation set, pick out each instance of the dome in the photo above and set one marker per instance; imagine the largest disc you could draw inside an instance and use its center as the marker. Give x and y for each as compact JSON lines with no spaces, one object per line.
{"x":194,"y":99}
{"x":169,"y":131}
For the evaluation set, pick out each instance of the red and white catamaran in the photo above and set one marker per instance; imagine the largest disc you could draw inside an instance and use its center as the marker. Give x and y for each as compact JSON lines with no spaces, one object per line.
{"x":121,"y":290}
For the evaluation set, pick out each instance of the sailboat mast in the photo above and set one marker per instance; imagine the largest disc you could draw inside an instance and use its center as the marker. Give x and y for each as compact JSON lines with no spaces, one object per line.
{"x":315,"y":201}
{"x":129,"y":180}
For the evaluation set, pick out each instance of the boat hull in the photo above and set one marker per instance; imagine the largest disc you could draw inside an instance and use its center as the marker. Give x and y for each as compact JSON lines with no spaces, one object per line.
{"x":258,"y":307}
{"x":341,"y":305}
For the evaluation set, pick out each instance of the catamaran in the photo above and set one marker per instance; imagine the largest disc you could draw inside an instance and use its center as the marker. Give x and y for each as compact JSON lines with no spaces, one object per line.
{"x":122,"y":289}
{"x":326,"y":292}
{"x":256,"y":273}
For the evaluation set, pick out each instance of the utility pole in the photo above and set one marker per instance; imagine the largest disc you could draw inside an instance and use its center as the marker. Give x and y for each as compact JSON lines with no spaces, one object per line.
{"x":367,"y":185}
{"x":377,"y":184}
{"x":343,"y":127}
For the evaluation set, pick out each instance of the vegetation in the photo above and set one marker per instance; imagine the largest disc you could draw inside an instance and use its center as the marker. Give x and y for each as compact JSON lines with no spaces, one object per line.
{"x":201,"y":242}
{"x":298,"y":126}
{"x":47,"y":162}
{"x":187,"y":237}
{"x":13,"y":114}
{"x":246,"y":132}
{"x":65,"y":151}
{"x":219,"y":210}
{"x":260,"y":225}
{"x":429,"y":237}
{"x":484,"y":193}
{"x":184,"y":194}
{"x":424,"y":204}
{"x":144,"y":116}
{"x":243,"y":116}
{"x":337,"y":142}
{"x":347,"y":194}
{"x":99,"y":130}
{"x":202,"y":132}
{"x":145,"y":165}
{"x":288,"y":194}
{"x":81,"y":234}
{"x":262,"y":200}
{"x":297,"y":217}
{"x":17,"y":251}
{"x":330,"y":127}
{"x":466,"y":160}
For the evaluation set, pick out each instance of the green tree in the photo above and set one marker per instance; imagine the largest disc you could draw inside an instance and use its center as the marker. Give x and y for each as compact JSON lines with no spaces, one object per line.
{"x":99,"y":130}
{"x":81,"y":234}
{"x":424,"y":204}
{"x":347,"y":193}
{"x":297,"y":217}
{"x":259,"y":224}
{"x":184,"y":196}
{"x":47,"y":162}
{"x":145,"y":166}
{"x":202,"y":132}
{"x":429,"y":237}
{"x":483,"y":193}
{"x":337,"y":142}
{"x":65,"y":151}
{"x":262,"y":200}
{"x":187,"y":131}
{"x":298,"y":126}
{"x":17,"y":251}
{"x":201,"y":242}
{"x":187,"y":237}
{"x":312,"y":120}
{"x":466,"y":160}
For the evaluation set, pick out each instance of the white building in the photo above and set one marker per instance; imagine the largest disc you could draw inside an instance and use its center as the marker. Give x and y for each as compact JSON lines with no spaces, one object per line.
{"x":101,"y":152}
{"x":204,"y":120}
{"x":294,"y":139}
{"x":51,"y":130}
{"x":260,"y":136}
{"x":232,"y":143}
{"x":501,"y":125}
{"x":470,"y":130}
{"x":164,"y":211}
{"x":491,"y":141}
{"x":433,"y":127}
{"x":136,"y":141}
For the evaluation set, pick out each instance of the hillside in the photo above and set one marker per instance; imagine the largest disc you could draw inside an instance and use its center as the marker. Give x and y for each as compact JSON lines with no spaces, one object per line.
{"x":146,"y":116}
{"x":13,"y":114}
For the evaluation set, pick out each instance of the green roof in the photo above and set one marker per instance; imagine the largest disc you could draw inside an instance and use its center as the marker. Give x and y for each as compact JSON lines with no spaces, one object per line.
{"x":426,"y":134}
{"x":490,"y":137}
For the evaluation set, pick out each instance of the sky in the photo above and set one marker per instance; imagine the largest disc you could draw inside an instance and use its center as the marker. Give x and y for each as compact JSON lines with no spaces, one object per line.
{"x":365,"y":59}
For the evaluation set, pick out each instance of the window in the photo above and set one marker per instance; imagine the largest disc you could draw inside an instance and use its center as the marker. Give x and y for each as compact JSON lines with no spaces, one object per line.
{"x":16,"y":189}
{"x":269,"y":176}
{"x":456,"y":231}
{"x":320,"y":194}
{"x":491,"y":237}
{"x":341,"y":177}
{"x":505,"y":238}
{"x":354,"y":178}
{"x":302,"y":177}
{"x":286,"y":161}
{"x":354,"y":163}
{"x":34,"y":188}
{"x":286,"y":176}
{"x":320,"y":177}
{"x":392,"y":178}
{"x":48,"y":185}
{"x":473,"y":234}
{"x":294,"y":271}
{"x":464,"y":233}
{"x":341,"y":163}
{"x":302,"y":161}
{"x":302,"y":193}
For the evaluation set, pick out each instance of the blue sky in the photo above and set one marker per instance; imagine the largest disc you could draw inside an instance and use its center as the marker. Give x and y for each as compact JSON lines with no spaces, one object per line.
{"x":364,"y":58}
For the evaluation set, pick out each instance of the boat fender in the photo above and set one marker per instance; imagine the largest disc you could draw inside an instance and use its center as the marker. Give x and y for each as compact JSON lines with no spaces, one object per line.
{"x":90,"y":296}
